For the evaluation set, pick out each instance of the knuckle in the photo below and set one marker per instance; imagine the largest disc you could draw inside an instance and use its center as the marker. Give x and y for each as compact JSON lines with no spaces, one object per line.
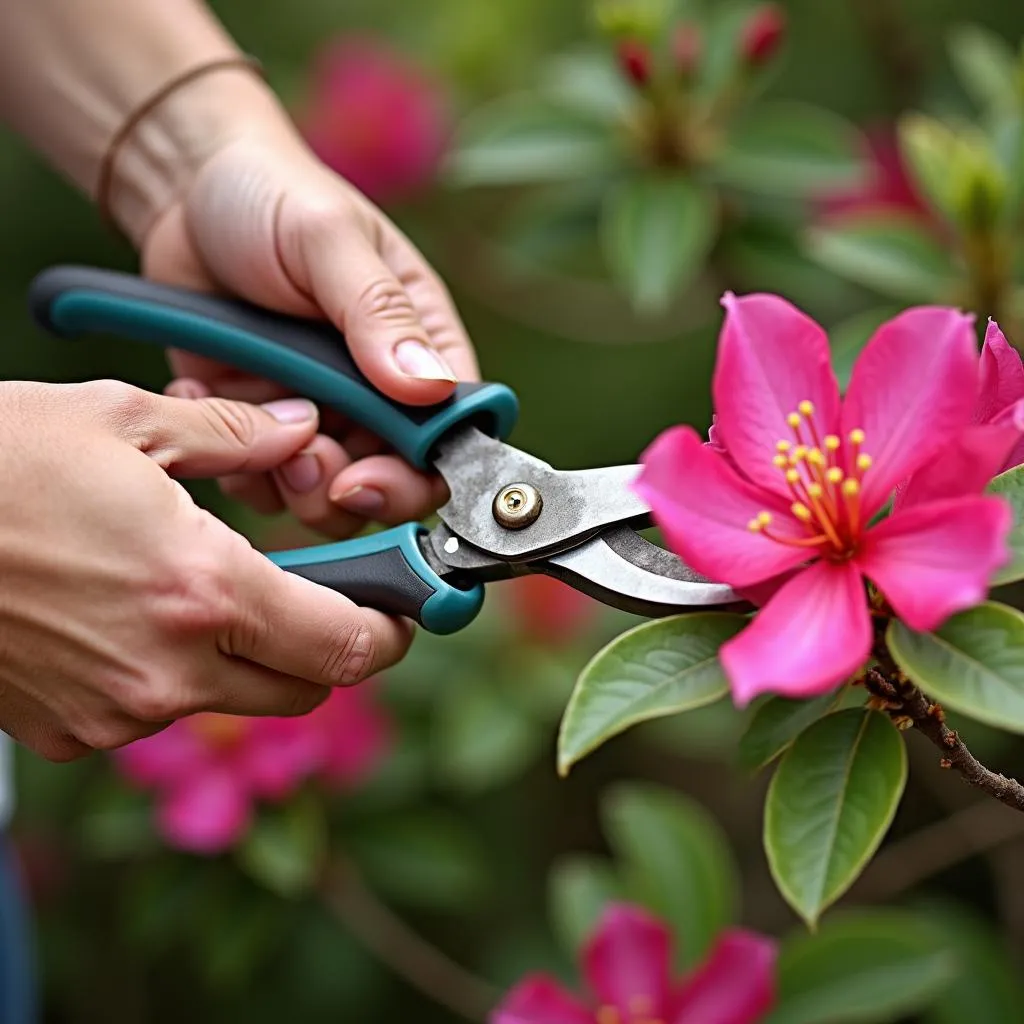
{"x":104,"y":733}
{"x":233,"y":422}
{"x":123,"y":405}
{"x":156,"y":699}
{"x":351,"y":657}
{"x":386,"y":300}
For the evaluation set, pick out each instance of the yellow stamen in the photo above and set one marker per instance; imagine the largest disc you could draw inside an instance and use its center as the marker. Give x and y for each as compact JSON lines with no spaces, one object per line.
{"x":851,"y":494}
{"x":857,"y":436}
{"x":863,"y":462}
{"x":801,"y":511}
{"x":815,"y":490}
{"x":834,"y":475}
{"x":792,"y":476}
{"x":780,"y":461}
{"x":793,"y":419}
{"x":832,"y":442}
{"x":764,"y":518}
{"x":783,"y":446}
{"x":851,"y":488}
{"x":815,"y":457}
{"x":806,"y":408}
{"x":798,"y":454}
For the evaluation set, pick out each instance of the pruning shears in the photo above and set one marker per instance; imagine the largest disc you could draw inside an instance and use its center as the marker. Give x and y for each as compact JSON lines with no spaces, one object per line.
{"x":509,"y":513}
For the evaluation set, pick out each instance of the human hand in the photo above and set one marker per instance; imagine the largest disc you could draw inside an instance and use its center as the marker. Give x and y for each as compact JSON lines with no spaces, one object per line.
{"x":124,"y":606}
{"x":262,"y":218}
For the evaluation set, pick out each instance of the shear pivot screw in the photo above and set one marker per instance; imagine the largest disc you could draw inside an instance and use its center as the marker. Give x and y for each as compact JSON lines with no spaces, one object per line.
{"x":517,"y":506}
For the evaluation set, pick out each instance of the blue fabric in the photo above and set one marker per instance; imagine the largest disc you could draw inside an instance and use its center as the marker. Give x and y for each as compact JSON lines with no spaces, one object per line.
{"x":17,"y":976}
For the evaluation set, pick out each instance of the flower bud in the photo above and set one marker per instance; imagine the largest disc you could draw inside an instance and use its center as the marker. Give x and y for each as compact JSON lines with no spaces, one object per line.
{"x":762,"y":35}
{"x":686,"y":49}
{"x":635,"y":61}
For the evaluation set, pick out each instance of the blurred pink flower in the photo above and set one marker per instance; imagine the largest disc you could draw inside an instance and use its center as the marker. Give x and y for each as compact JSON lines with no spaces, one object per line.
{"x":208,"y":770}
{"x":627,"y":965}
{"x":887,"y":187}
{"x":375,"y":118}
{"x":783,"y":497}
{"x":547,"y":611}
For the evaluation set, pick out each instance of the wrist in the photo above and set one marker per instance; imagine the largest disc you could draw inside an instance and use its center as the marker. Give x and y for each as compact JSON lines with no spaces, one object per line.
{"x":161,"y":154}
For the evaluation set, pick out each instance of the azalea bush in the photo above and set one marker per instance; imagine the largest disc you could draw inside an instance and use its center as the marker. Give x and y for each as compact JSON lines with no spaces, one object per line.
{"x":771,"y":251}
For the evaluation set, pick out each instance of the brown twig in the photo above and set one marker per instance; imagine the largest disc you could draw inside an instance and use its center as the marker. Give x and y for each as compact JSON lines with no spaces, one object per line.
{"x":910,"y":708}
{"x":394,"y":943}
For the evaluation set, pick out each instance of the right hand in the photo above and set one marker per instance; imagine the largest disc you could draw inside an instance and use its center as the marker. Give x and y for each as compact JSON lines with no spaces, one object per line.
{"x":124,"y":606}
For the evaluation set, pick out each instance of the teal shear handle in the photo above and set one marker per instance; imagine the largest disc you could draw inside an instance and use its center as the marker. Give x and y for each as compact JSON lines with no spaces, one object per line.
{"x":386,"y":570}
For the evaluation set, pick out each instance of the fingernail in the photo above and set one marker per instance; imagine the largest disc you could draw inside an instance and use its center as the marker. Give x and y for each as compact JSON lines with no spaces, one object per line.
{"x":364,"y":501}
{"x":291,"y":410}
{"x":302,"y":473}
{"x":418,"y":360}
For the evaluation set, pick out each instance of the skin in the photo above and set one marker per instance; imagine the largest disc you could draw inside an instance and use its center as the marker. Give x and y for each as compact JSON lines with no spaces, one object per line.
{"x":123,"y":606}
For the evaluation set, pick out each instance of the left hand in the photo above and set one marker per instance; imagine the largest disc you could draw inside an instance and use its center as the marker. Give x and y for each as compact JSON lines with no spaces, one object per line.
{"x":263,"y":219}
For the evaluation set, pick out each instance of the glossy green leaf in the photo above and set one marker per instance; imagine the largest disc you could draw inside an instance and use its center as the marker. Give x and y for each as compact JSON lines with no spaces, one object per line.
{"x":1010,"y":487}
{"x":829,"y":805}
{"x":790,"y":149}
{"x":589,"y":84}
{"x":849,"y":338}
{"x":985,"y":988}
{"x":973,"y":663}
{"x":425,"y":858}
{"x":862,"y":967}
{"x":518,"y":141}
{"x":579,"y":888}
{"x":658,"y":668}
{"x":985,"y":65}
{"x":285,"y":847}
{"x":894,"y":257}
{"x":674,"y":859}
{"x":776,"y":724}
{"x":482,"y":739}
{"x":657,"y":233}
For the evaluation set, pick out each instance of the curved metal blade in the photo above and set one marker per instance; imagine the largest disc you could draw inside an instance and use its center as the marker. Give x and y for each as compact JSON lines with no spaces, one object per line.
{"x":621,"y":568}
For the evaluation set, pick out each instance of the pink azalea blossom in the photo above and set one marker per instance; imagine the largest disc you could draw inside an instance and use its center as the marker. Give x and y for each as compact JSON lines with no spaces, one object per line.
{"x":784,"y":513}
{"x":627,"y":965}
{"x":208,"y":770}
{"x":376,"y":119}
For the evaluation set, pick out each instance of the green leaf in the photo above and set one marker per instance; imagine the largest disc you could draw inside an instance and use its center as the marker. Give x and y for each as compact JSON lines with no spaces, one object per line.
{"x":658,"y":668}
{"x":864,"y":967}
{"x":675,"y":860}
{"x":1010,"y":486}
{"x":928,"y":148}
{"x":657,"y":232}
{"x":590,"y":85}
{"x":896,"y":258}
{"x":849,"y":338}
{"x":516,"y":141}
{"x":790,"y":149}
{"x":286,"y":846}
{"x":777,"y":723}
{"x":973,"y":663}
{"x":482,"y":740}
{"x":425,"y":858}
{"x":118,"y":823}
{"x":985,"y":65}
{"x":579,"y":888}
{"x":829,"y":805}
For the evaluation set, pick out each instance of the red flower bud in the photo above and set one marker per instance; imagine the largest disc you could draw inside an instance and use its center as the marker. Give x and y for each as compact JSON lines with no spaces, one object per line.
{"x":635,"y":61}
{"x":687,"y":46}
{"x":762,"y":34}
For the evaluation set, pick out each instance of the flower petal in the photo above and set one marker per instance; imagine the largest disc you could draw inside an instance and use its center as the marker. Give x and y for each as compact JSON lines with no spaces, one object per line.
{"x":735,"y":985}
{"x":165,"y":757}
{"x":208,"y":813}
{"x":913,"y":387}
{"x":1001,"y":377}
{"x":771,"y":357}
{"x":627,"y":962}
{"x":968,"y":463}
{"x":357,"y":732}
{"x":704,"y":509}
{"x":936,"y":559}
{"x":811,"y":636}
{"x":538,"y":999}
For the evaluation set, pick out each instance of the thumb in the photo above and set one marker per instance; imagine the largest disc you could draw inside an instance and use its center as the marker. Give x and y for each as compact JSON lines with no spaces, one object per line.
{"x":210,"y":437}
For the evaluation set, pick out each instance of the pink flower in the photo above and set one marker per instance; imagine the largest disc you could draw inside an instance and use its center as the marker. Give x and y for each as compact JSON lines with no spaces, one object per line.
{"x":208,"y":770}
{"x":378,"y":121}
{"x":627,"y":964}
{"x":762,"y":34}
{"x":886,"y":189}
{"x":786,"y":514}
{"x":547,"y":611}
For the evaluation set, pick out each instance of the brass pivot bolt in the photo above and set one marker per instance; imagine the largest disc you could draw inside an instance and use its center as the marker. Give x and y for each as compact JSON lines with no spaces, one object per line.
{"x":517,"y":505}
